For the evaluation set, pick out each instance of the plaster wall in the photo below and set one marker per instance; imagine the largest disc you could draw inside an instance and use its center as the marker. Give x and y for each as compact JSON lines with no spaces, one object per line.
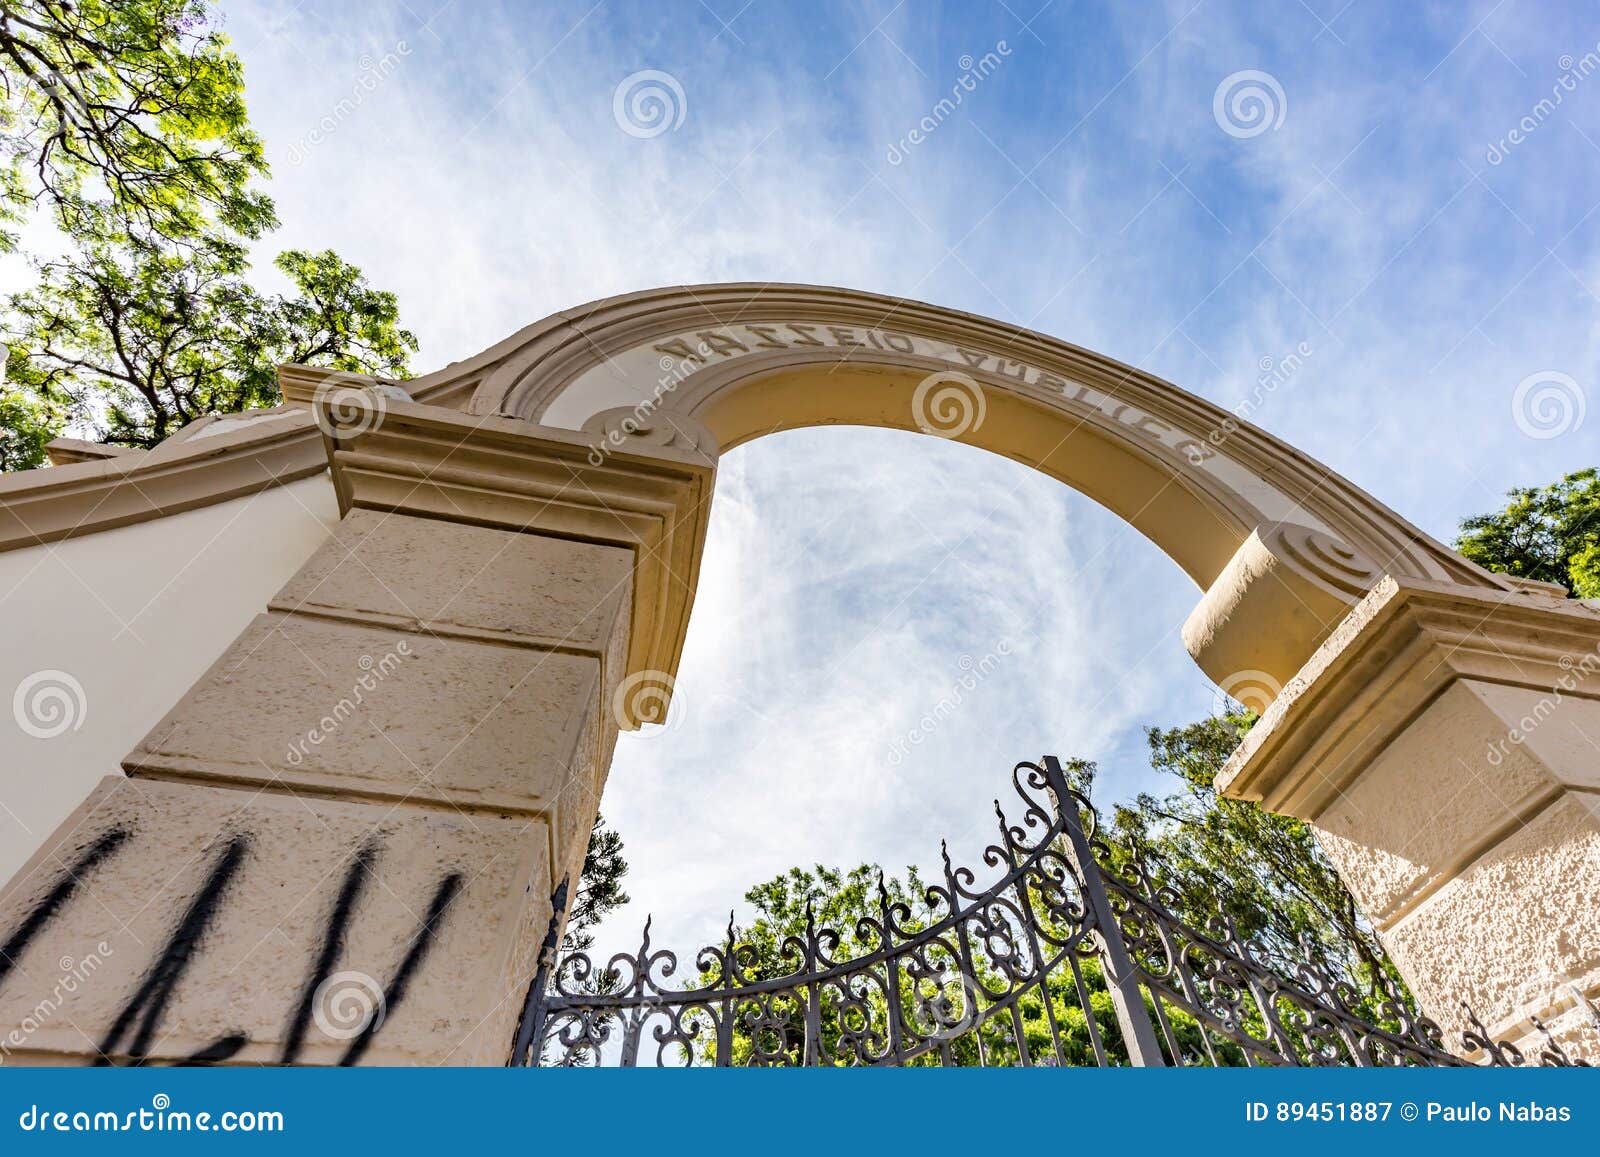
{"x":135,"y":615}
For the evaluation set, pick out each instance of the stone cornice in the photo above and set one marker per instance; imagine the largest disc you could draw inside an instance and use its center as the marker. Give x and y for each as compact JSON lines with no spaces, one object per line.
{"x":435,"y":463}
{"x":1398,"y":650}
{"x":202,"y":465}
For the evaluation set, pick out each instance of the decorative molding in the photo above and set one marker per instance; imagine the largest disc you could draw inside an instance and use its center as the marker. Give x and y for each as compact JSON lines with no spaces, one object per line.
{"x":1394,"y":654}
{"x":745,"y":328}
{"x":47,"y":505}
{"x":70,"y":451}
{"x":521,"y":376}
{"x":435,"y":463}
{"x":1279,"y":596}
{"x":640,"y":427}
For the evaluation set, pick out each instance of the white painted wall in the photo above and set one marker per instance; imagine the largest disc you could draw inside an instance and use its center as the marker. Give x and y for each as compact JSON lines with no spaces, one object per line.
{"x":134,"y":616}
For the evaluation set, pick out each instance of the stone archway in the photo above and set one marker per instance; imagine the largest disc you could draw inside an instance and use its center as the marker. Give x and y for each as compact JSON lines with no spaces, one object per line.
{"x":515,"y":569}
{"x":1268,"y":533}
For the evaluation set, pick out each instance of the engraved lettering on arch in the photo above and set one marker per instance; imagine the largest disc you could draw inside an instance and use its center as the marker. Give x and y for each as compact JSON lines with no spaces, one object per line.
{"x":677,"y":348}
{"x":767,"y":337}
{"x":736,"y":340}
{"x":721,"y":343}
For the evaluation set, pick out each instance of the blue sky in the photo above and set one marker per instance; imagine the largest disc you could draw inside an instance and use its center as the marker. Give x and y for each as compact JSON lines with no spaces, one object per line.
{"x":1085,"y":187}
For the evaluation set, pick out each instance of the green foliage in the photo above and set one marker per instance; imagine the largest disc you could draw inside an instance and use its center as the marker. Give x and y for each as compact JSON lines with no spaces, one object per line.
{"x":599,"y":887}
{"x":1548,"y":533}
{"x":26,"y":423}
{"x":1231,"y":860}
{"x":125,"y":117}
{"x":127,"y":120}
{"x":1062,"y":1018}
{"x":1222,"y":860}
{"x":135,"y":342}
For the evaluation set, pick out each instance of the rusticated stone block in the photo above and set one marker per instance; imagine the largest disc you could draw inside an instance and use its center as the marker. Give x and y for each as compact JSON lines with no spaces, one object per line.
{"x":173,"y":921}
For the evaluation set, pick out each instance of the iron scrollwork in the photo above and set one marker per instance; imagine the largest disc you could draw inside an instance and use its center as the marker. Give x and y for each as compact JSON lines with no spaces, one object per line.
{"x":1065,"y":959}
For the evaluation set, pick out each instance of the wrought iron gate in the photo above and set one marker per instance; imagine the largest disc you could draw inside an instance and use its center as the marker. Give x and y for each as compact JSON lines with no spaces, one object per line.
{"x":1061,"y":961}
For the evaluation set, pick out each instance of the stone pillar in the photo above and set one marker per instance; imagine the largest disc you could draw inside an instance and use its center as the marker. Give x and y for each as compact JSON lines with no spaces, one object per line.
{"x":1445,"y":744}
{"x":341,"y":845}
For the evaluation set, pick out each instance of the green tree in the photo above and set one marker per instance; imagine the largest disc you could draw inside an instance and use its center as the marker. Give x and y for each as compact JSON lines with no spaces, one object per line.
{"x":128,"y":121}
{"x":1548,"y":533}
{"x":1050,"y":1021}
{"x":1229,"y":859}
{"x":125,"y":116}
{"x":133,"y":343}
{"x":599,"y":886}
{"x":25,"y":427}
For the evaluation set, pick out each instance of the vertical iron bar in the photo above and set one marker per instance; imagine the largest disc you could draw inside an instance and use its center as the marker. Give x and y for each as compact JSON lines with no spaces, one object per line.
{"x":725,"y":1036}
{"x":965,"y":968}
{"x":530,"y":1027}
{"x":632,"y":1022}
{"x":812,"y":1056}
{"x":1093,"y":1025}
{"x":892,"y":1011}
{"x":1121,"y":979}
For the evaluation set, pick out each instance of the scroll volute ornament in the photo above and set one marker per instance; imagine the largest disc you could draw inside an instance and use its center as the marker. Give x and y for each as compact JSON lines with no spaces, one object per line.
{"x":1281,"y":594}
{"x":624,"y":428}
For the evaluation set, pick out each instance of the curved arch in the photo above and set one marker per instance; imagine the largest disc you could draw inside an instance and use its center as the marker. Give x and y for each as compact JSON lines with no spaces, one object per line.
{"x":652,"y":348}
{"x":749,"y":359}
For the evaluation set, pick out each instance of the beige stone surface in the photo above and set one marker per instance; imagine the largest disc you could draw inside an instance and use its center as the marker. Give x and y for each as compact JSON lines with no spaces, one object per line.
{"x":470,"y":723}
{"x":650,"y":501}
{"x":1295,"y":578}
{"x":440,"y":574}
{"x":1512,"y":925}
{"x":1559,"y":727}
{"x":1430,"y":803}
{"x":253,"y":964}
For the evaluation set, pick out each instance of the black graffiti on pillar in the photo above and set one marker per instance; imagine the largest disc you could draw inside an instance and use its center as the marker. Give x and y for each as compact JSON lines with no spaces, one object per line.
{"x":141,"y":1018}
{"x":143,"y":1013}
{"x":421,"y":943}
{"x":355,"y":879}
{"x":45,"y":910}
